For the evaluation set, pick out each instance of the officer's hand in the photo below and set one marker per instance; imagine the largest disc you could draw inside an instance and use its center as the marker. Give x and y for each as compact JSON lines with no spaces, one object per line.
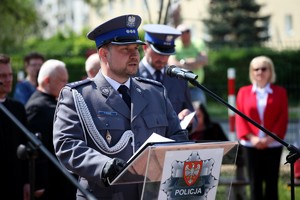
{"x":183,"y":114}
{"x":111,"y":168}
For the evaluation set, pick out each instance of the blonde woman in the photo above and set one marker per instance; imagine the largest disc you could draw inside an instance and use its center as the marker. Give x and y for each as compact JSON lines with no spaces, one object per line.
{"x":267,"y":104}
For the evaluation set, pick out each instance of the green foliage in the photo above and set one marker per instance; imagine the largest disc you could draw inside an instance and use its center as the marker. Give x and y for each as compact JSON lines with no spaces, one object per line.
{"x":284,"y":191}
{"x":75,"y":67}
{"x":19,"y":21}
{"x":236,"y":24}
{"x":285,"y":62}
{"x":60,"y":45}
{"x":73,"y":50}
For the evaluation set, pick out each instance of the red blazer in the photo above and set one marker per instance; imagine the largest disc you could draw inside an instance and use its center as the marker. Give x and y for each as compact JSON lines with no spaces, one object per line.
{"x":275,"y":115}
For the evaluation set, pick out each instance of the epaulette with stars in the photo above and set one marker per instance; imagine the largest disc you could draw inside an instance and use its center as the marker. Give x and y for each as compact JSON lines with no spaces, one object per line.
{"x":78,"y":83}
{"x":147,"y":80}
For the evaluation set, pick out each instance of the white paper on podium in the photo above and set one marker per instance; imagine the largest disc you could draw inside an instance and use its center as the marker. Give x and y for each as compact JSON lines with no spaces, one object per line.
{"x":154,"y":138}
{"x":186,"y":120}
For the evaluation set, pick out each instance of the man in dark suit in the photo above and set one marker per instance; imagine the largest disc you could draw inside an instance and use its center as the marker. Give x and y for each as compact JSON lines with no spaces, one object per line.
{"x":13,"y":170}
{"x":95,"y":130}
{"x":159,"y":46}
{"x":40,"y":110}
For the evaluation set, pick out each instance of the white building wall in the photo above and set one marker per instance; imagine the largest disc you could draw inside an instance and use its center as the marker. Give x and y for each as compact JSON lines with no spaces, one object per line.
{"x":279,"y":11}
{"x":194,"y":11}
{"x":62,"y":15}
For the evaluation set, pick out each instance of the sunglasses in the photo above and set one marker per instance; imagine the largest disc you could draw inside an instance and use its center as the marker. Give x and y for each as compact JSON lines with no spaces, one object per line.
{"x":186,"y":31}
{"x":262,"y":69}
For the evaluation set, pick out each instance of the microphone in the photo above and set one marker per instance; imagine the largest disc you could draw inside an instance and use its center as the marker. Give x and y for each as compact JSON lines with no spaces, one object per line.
{"x":178,"y":72}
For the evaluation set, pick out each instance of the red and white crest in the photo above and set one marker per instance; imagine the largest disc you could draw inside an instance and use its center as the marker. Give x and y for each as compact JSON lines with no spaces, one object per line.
{"x":191,"y":171}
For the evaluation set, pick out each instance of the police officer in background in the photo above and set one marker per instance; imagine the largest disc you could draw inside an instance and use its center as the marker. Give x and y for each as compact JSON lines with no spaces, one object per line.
{"x":159,"y":46}
{"x":95,"y":130}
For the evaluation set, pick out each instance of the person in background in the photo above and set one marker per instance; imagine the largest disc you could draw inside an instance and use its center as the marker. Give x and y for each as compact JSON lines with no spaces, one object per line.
{"x":206,"y":128}
{"x":210,"y":131}
{"x":25,"y":88}
{"x":159,"y":46}
{"x":14,"y":171}
{"x":92,"y":65}
{"x":191,"y":55}
{"x":40,"y":110}
{"x":267,"y":104}
{"x":99,"y":123}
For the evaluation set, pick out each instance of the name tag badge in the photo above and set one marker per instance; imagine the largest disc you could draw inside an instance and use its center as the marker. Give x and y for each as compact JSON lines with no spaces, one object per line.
{"x":106,"y":113}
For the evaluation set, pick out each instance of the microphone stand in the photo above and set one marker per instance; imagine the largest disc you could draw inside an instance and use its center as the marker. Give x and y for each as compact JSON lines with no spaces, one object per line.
{"x":30,"y":153}
{"x":294,"y":153}
{"x":35,"y":144}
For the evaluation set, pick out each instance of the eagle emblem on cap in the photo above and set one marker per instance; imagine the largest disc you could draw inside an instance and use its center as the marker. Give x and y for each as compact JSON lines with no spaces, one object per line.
{"x":169,"y":38}
{"x":131,"y":21}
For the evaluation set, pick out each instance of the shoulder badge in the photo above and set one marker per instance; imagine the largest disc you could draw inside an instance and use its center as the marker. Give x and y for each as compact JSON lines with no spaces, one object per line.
{"x":147,"y":80}
{"x":78,"y":83}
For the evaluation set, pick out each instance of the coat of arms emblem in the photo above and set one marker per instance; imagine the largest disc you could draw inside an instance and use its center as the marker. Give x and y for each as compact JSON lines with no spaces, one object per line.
{"x":192,"y":170}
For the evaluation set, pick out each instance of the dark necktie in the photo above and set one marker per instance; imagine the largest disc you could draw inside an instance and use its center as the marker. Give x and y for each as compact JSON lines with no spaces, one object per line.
{"x":123,"y":89}
{"x":158,"y":75}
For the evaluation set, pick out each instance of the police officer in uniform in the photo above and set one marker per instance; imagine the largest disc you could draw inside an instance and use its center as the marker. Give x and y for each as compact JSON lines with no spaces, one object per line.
{"x":95,"y":130}
{"x":160,"y":44}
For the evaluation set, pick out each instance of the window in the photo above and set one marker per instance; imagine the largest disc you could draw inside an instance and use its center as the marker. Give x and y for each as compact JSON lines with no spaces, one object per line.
{"x":288,"y":24}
